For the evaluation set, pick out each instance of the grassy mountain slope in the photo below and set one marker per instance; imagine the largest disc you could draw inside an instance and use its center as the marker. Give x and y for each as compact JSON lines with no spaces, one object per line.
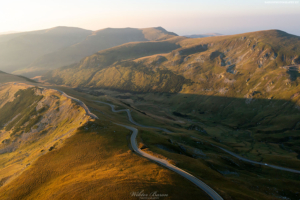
{"x":108,"y":62}
{"x":225,"y":66}
{"x":40,"y":51}
{"x":157,"y":33}
{"x":96,"y":163}
{"x":248,"y":81}
{"x":191,"y":150}
{"x":33,"y":121}
{"x":49,"y":149}
{"x":99,"y":40}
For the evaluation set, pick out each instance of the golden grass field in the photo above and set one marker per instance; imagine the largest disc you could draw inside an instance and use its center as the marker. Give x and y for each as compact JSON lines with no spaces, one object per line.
{"x":33,"y":121}
{"x":97,"y":164}
{"x":246,"y":181}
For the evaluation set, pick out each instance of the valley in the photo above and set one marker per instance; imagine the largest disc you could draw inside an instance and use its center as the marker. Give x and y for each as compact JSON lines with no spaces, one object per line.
{"x":214,"y":117}
{"x":184,"y":147}
{"x":242,"y":109}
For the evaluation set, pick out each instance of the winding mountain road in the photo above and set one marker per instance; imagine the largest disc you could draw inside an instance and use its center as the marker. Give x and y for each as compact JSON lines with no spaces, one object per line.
{"x":255,"y":162}
{"x":213,"y":194}
{"x":223,"y":149}
{"x":130,"y":117}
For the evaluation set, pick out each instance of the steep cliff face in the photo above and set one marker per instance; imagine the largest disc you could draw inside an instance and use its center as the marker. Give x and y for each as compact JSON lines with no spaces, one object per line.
{"x":33,"y":122}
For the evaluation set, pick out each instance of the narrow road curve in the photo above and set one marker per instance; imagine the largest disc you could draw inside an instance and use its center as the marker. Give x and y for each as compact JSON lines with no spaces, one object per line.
{"x":255,"y":162}
{"x":88,"y":112}
{"x":130,"y":117}
{"x":223,"y":149}
{"x":213,"y":194}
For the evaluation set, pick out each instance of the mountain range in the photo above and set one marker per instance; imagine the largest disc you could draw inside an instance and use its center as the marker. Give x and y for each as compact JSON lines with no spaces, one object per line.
{"x":203,"y":35}
{"x":222,"y":109}
{"x":44,"y":50}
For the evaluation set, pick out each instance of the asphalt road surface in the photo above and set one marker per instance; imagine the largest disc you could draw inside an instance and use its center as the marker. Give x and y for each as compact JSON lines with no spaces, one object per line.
{"x":227,"y":151}
{"x":88,"y":112}
{"x":258,"y":163}
{"x":213,"y":194}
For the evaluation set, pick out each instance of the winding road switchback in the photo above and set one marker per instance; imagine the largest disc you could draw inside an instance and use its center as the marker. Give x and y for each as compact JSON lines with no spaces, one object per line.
{"x":213,"y":194}
{"x":257,"y":163}
{"x":130,"y":117}
{"x":223,"y":149}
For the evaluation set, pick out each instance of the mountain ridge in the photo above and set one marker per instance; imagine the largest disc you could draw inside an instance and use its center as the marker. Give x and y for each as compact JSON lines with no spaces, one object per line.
{"x":61,"y":46}
{"x":241,"y":68}
{"x":254,"y":43}
{"x":203,"y":35}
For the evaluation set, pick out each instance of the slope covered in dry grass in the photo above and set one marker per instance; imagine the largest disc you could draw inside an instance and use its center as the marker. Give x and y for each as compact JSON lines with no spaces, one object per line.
{"x":223,"y":77}
{"x":33,"y":122}
{"x":240,"y":92}
{"x":51,"y":150}
{"x":233,"y":66}
{"x":96,"y":163}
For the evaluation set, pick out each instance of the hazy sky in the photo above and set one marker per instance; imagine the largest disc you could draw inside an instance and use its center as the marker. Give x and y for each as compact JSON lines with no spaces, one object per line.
{"x":180,"y":16}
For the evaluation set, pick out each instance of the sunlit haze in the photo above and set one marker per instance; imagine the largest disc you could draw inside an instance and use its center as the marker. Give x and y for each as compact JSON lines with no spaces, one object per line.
{"x":182,"y":17}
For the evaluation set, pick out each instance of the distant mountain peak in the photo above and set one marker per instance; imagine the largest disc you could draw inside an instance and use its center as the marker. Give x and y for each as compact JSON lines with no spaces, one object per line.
{"x":160,"y":28}
{"x":203,"y":35}
{"x":66,"y":29}
{"x":157,"y":33}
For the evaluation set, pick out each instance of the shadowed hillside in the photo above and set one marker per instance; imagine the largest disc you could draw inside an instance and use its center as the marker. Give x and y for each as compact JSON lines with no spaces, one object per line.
{"x":253,"y":66}
{"x":240,"y":92}
{"x":189,"y":147}
{"x":245,"y":124}
{"x":246,"y":82}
